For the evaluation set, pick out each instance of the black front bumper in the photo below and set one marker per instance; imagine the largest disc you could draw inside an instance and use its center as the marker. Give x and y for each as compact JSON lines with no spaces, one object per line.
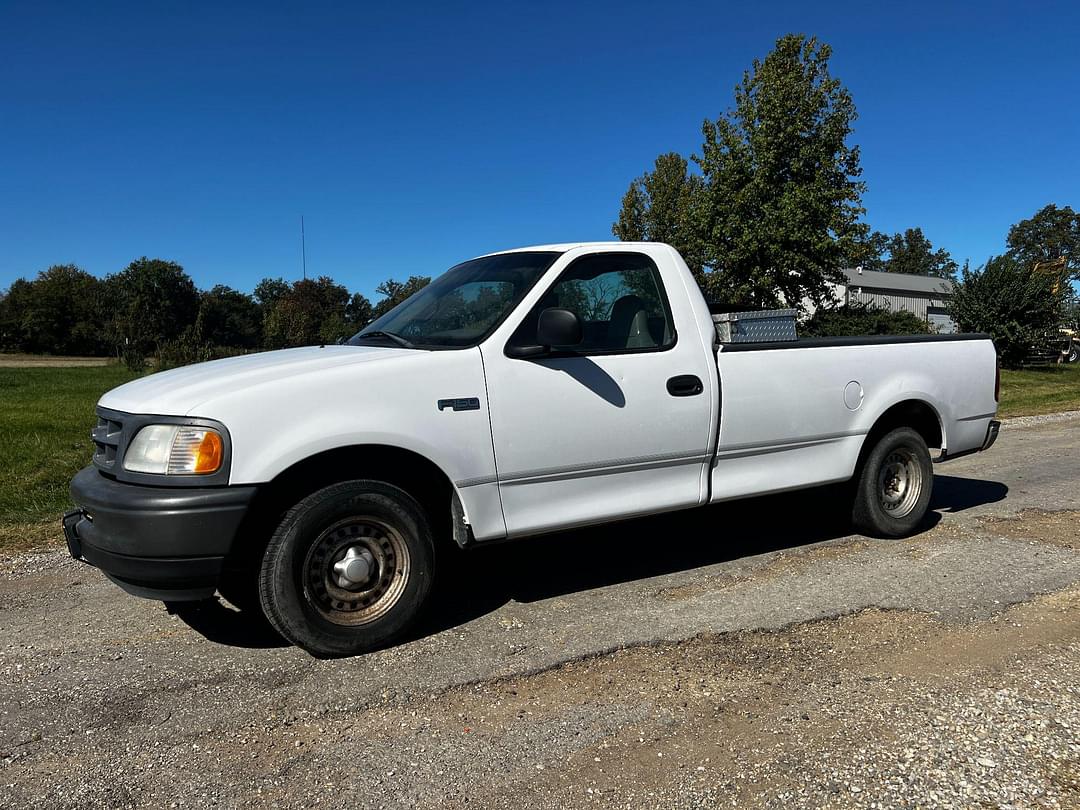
{"x":165,"y":543}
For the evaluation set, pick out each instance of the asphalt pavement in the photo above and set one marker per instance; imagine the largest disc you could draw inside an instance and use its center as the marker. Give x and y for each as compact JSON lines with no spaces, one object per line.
{"x":547,"y":668}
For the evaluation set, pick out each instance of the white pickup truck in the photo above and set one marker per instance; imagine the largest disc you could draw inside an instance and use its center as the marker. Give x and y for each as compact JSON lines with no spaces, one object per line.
{"x":520,"y":393}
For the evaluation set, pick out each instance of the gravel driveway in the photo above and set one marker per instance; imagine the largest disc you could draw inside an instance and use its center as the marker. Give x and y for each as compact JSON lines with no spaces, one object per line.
{"x":743,"y":655}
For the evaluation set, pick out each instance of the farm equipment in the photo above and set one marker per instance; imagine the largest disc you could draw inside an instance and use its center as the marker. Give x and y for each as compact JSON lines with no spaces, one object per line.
{"x":1062,"y":345}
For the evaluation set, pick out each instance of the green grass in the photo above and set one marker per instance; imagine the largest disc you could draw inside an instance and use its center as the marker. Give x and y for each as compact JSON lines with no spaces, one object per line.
{"x":46,"y":415}
{"x":1044,"y":389}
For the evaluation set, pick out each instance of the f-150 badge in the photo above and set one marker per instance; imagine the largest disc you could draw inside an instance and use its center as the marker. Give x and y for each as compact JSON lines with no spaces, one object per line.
{"x":461,"y":404}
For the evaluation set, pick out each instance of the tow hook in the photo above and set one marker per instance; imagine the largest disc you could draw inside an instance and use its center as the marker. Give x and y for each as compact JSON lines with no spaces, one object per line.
{"x":68,"y":522}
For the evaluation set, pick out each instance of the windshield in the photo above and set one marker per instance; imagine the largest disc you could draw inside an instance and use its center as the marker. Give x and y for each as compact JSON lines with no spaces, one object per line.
{"x":462,"y":306}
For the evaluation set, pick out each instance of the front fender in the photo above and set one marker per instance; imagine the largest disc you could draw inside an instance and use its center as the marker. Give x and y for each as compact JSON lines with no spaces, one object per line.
{"x":279,"y":424}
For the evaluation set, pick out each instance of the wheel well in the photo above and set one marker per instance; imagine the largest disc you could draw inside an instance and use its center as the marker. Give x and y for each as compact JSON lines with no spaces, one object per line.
{"x":410,"y":471}
{"x":912,"y":413}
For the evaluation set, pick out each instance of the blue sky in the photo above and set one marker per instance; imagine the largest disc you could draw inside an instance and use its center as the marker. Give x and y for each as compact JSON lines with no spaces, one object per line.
{"x":411,"y":137}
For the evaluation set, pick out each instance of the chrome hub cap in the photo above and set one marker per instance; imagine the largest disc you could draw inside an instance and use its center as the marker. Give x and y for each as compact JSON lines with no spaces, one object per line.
{"x":900,"y":482}
{"x":356,"y":570}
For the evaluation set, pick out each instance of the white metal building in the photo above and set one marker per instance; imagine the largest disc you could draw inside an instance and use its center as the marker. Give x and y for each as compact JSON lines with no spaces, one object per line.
{"x":923,"y":295}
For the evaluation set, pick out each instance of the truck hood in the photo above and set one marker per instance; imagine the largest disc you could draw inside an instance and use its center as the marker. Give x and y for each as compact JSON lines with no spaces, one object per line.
{"x":179,"y":392}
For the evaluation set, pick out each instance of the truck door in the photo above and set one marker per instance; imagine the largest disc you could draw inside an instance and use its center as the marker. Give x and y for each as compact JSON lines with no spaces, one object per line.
{"x":617,"y":425}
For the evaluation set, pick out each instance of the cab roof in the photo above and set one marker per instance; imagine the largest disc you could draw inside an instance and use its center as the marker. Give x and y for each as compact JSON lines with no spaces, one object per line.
{"x":562,"y":247}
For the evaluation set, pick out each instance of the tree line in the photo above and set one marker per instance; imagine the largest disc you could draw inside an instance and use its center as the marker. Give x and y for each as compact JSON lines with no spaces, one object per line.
{"x":769,"y":212}
{"x":153,"y":308}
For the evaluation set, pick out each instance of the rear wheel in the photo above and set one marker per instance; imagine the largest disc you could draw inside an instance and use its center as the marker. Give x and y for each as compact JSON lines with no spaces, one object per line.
{"x":348,"y":569}
{"x":894,"y":485}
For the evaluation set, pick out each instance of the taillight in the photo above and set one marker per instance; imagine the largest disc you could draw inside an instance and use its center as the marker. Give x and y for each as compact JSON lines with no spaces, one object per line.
{"x":997,"y":382}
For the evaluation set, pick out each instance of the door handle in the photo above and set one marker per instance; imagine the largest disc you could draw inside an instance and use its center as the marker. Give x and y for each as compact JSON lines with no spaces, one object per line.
{"x":685,"y":385}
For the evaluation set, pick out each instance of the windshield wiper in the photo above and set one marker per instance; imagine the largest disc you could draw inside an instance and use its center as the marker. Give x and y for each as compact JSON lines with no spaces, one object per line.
{"x":398,"y":339}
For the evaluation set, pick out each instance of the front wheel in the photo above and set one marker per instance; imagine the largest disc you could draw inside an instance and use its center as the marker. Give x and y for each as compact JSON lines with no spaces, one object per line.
{"x":348,"y":569}
{"x":893,"y":487}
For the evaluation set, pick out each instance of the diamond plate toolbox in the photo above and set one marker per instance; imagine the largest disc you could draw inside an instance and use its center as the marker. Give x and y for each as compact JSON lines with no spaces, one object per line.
{"x":761,"y":326}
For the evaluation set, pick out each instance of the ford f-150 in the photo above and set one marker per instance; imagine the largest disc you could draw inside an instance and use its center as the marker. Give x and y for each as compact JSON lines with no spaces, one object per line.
{"x":520,"y":393}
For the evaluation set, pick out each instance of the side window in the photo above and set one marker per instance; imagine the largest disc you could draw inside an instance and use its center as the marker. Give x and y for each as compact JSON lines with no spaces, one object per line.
{"x":618,"y":297}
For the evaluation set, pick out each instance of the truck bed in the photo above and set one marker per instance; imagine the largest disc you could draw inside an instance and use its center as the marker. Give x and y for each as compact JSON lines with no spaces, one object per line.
{"x":790,"y":418}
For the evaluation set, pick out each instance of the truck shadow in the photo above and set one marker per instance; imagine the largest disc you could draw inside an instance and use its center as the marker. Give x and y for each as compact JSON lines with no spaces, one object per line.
{"x":479,"y":580}
{"x":225,"y":624}
{"x":954,"y":494}
{"x":484,"y":578}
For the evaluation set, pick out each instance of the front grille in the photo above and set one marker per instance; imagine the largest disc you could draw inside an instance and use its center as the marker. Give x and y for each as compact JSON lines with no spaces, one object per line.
{"x":106,"y":436}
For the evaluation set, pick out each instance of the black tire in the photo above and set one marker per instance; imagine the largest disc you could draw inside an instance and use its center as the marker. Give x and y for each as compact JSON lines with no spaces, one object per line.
{"x":1074,"y":353}
{"x":365,"y":529}
{"x":893,"y":485}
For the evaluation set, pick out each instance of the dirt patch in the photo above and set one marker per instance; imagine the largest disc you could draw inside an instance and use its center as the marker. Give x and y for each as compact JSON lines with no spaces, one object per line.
{"x":880,"y":707}
{"x":1038,"y":526}
{"x":47,"y":361}
{"x":1059,"y":528}
{"x":708,"y":583}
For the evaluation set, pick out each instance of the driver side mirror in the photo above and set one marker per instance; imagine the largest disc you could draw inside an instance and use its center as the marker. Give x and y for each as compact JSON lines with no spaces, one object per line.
{"x":556,"y":327}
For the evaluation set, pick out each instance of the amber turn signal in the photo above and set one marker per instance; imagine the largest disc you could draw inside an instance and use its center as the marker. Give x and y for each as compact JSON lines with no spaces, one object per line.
{"x":208,"y":456}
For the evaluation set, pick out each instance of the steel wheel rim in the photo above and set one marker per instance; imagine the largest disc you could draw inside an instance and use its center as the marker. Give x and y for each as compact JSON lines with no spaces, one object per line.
{"x":334,"y":584}
{"x":900,"y":482}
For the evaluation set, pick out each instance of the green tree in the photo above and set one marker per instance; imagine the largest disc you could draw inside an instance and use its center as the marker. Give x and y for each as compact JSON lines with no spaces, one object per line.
{"x":14,"y":304}
{"x":394,"y":292}
{"x":664,"y":206}
{"x":269,"y":291}
{"x":151,"y":301}
{"x":1005,"y":298}
{"x":912,"y":253}
{"x":59,"y":312}
{"x":868,"y":252}
{"x":1052,"y":233}
{"x":230,"y":318}
{"x":782,"y":198}
{"x":311,"y":312}
{"x":358,"y":312}
{"x":345,"y":323}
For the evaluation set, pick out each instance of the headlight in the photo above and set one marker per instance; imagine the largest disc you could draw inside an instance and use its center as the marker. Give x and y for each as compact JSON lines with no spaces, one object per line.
{"x":175,"y":450}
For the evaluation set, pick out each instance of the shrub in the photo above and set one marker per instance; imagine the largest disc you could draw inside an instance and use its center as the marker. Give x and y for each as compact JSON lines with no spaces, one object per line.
{"x":1016,"y":306}
{"x":187,"y":349}
{"x":131,"y":355}
{"x":863,"y":319}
